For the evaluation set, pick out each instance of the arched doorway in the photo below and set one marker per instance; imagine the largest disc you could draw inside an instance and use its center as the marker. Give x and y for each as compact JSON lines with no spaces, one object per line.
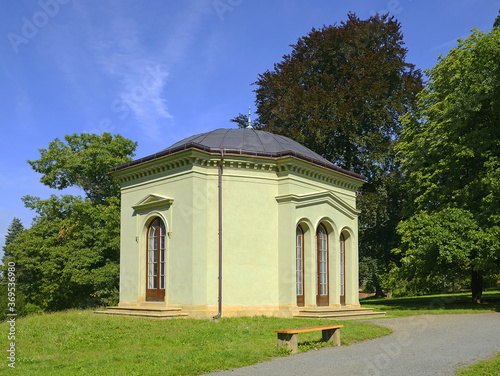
{"x":322,"y":286}
{"x":156,"y":265}
{"x":299,"y":265}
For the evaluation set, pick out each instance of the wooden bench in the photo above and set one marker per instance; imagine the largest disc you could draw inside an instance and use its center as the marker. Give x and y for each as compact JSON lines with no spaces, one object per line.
{"x":288,"y":337}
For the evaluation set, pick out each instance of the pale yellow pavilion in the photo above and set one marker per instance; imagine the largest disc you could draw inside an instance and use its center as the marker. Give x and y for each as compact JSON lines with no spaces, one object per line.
{"x":287,"y":231}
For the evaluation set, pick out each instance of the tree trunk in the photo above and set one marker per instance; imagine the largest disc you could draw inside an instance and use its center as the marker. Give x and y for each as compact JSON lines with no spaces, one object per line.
{"x":379,"y":293}
{"x":476,"y":286}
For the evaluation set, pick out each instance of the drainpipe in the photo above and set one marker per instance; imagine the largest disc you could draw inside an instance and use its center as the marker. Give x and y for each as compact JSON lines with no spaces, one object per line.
{"x":220,"y":235}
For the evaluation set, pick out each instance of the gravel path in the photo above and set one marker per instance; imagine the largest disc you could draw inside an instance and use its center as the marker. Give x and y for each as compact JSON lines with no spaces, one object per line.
{"x":420,"y":345}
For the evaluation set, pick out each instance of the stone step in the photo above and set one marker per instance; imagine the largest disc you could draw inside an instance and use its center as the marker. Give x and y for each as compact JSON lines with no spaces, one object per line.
{"x":340,"y":314}
{"x":145,"y":308}
{"x":328,"y":309}
{"x":146,"y":311}
{"x":155,"y":316}
{"x":147,"y":304}
{"x":337,"y":315}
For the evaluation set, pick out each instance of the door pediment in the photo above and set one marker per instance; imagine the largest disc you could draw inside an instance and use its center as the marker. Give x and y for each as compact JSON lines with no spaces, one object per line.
{"x":316,"y":198}
{"x":153,"y":201}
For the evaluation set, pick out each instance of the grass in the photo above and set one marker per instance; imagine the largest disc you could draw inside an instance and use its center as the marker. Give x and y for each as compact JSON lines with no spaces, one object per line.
{"x":76,"y":342}
{"x":434,"y":304}
{"x":488,"y":367}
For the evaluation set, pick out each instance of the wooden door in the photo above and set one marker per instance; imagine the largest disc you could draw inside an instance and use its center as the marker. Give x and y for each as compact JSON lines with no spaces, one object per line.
{"x":299,"y":265}
{"x":322,"y":285}
{"x":342,"y":270}
{"x":156,"y":264}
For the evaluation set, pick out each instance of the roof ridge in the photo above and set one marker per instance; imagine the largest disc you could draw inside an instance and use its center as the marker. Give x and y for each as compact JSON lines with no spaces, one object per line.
{"x":258,"y":137}
{"x":223,"y":137}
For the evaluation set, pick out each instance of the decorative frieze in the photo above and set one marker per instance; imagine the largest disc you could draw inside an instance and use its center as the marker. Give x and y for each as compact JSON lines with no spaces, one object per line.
{"x":172,"y":166}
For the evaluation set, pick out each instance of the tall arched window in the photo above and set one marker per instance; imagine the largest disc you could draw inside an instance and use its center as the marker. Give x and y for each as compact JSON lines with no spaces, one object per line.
{"x":156,"y":264}
{"x":299,"y":265}
{"x":322,"y":295}
{"x":342,"y":269}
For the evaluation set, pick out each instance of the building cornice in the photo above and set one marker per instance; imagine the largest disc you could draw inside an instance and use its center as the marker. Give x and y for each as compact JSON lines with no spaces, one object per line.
{"x":214,"y":151}
{"x":190,"y":158}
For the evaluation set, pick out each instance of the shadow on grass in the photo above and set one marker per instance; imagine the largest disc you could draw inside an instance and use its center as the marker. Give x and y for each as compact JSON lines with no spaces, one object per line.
{"x":305,"y":346}
{"x":444,"y":303}
{"x":313,"y":345}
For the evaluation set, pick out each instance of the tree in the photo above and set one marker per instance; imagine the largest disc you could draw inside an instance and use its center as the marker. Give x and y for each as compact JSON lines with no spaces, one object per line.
{"x":497,"y":20}
{"x":70,"y":255}
{"x":15,"y":228}
{"x":441,"y":247}
{"x":381,"y":211}
{"x":84,"y":161}
{"x":242,"y":121}
{"x":450,"y":146}
{"x":340,"y":92}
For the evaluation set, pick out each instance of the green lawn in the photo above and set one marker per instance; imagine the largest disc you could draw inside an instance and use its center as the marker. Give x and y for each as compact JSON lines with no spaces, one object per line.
{"x":77,"y":342}
{"x":434,"y":304}
{"x":489,"y":367}
{"x":81,"y":343}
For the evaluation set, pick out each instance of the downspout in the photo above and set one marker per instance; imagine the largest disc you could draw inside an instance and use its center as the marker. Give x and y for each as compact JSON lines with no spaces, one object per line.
{"x":220,"y":235}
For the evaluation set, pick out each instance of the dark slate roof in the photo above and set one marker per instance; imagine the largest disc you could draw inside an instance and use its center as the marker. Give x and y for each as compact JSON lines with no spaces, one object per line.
{"x":244,"y":141}
{"x":248,"y":140}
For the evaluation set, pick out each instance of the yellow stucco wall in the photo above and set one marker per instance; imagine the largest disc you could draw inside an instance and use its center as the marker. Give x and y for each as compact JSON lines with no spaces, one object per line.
{"x":263,"y":202}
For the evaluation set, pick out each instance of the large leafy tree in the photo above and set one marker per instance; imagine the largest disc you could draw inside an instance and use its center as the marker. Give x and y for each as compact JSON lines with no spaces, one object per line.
{"x":381,"y":211}
{"x":70,"y":255}
{"x":442,"y":247}
{"x":84,"y":161}
{"x":450,"y":147}
{"x":341,"y":92}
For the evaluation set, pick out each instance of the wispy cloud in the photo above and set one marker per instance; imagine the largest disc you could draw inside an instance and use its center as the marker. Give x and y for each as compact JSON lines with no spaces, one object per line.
{"x":141,"y":77}
{"x":124,"y":61}
{"x":445,"y":46}
{"x":136,"y":77}
{"x":184,"y":28}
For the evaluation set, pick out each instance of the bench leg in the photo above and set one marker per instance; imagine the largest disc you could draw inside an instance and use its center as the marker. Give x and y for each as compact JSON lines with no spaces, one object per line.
{"x":331,"y":335}
{"x":288,"y":340}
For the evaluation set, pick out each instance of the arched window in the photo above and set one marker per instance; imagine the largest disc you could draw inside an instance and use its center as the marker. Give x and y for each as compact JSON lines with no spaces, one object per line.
{"x":322,"y":295}
{"x":342,"y":269}
{"x":156,"y":264}
{"x":299,"y":262}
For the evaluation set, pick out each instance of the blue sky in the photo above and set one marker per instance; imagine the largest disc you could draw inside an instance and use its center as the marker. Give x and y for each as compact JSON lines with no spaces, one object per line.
{"x":158,"y":71}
